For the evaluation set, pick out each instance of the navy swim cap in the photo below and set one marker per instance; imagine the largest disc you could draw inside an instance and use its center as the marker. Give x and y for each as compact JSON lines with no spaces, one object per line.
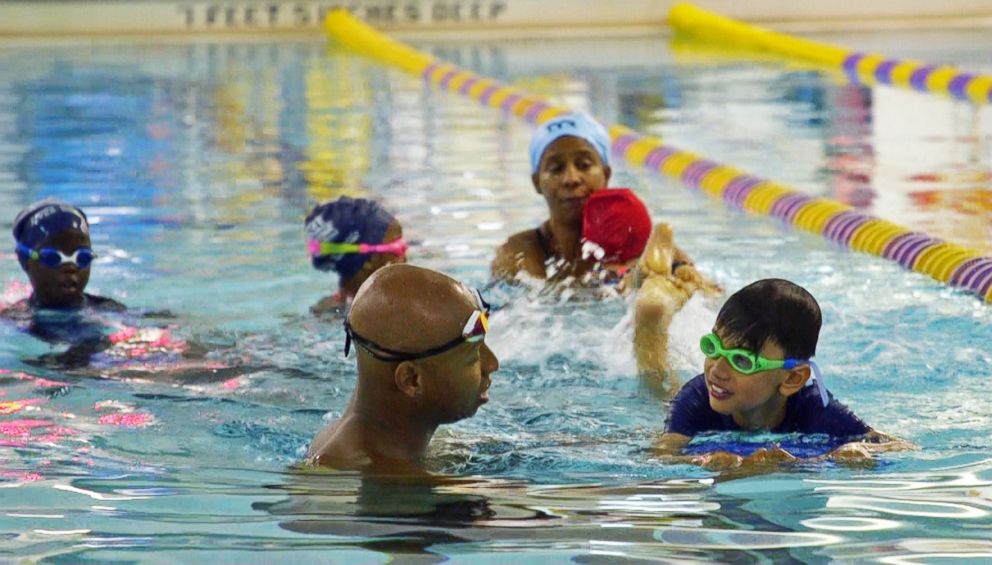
{"x":46,"y":218}
{"x":576,"y":124}
{"x":346,"y":220}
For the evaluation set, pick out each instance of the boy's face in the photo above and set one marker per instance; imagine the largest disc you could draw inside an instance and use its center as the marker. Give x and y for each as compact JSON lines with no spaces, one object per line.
{"x":62,"y":286}
{"x":570,"y":170}
{"x":755,"y":400}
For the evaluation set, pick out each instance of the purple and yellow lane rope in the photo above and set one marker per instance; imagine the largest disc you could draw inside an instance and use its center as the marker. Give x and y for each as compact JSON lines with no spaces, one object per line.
{"x":955,"y":265}
{"x":859,"y":67}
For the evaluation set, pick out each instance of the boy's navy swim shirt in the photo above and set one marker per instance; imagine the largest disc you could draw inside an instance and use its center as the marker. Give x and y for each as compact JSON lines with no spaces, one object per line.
{"x":804,"y":413}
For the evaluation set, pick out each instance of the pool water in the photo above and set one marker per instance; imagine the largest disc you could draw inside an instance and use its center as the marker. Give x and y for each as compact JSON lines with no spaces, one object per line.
{"x":197,"y":163}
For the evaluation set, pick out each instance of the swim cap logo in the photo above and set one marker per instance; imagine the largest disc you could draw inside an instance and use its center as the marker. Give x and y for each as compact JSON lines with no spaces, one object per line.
{"x":320,"y":229}
{"x":561,"y":124}
{"x":47,"y":212}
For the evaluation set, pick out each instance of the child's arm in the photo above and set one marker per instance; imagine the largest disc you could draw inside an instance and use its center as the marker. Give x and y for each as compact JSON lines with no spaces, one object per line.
{"x":669,"y":447}
{"x":861,"y":451}
{"x":666,"y":280}
{"x":654,"y":308}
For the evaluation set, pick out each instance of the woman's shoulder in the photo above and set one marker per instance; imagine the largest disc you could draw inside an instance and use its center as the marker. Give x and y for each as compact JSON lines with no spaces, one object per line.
{"x":522,"y":251}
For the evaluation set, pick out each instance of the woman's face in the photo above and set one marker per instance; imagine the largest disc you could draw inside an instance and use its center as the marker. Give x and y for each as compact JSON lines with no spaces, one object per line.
{"x":570,"y":170}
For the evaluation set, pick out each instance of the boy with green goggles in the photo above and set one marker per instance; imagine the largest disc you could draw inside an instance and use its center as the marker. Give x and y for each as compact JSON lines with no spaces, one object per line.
{"x":758,"y":363}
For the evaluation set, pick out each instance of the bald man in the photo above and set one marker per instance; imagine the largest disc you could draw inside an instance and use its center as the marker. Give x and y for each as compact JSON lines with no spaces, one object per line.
{"x":422,"y":362}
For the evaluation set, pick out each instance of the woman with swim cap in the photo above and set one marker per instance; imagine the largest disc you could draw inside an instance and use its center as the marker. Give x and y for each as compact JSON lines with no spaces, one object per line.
{"x":353,"y":237}
{"x":569,"y":158}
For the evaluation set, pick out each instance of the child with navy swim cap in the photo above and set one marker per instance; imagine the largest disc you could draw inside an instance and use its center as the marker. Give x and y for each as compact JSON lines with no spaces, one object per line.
{"x":353,"y":237}
{"x":759,"y":358}
{"x":52,"y":242}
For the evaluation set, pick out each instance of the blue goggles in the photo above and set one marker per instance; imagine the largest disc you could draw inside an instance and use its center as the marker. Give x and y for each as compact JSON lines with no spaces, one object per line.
{"x":53,"y":258}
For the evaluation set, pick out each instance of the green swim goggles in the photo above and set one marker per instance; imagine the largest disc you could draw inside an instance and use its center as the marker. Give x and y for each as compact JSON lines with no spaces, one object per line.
{"x":748,"y":362}
{"x":742,"y":360}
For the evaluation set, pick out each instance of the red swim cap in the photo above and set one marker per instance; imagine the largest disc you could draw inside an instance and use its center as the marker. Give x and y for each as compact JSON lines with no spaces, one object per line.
{"x":618,"y":222}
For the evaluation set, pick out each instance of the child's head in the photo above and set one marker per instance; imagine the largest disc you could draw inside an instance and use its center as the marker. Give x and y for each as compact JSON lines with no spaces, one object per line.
{"x":774,"y":310}
{"x":353,"y":237}
{"x":569,"y":159}
{"x":615,"y":226}
{"x":53,"y":247}
{"x":759,"y":352}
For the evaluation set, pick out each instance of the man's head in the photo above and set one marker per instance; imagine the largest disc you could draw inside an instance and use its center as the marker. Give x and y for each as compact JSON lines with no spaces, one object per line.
{"x":353,"y":237}
{"x":420,"y":341}
{"x":569,"y":157}
{"x":775,"y":323}
{"x":53,"y":247}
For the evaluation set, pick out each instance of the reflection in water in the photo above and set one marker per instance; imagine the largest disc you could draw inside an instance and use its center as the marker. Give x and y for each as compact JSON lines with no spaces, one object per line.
{"x":677,"y":519}
{"x":400,"y":516}
{"x":961,"y":496}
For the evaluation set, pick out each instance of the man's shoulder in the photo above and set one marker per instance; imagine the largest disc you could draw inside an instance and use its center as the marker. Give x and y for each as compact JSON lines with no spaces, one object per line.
{"x":336,"y":447}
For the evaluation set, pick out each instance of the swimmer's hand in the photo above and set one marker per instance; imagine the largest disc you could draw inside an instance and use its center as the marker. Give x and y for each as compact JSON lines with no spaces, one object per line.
{"x":763,"y":459}
{"x":690,"y":279}
{"x":860,"y":453}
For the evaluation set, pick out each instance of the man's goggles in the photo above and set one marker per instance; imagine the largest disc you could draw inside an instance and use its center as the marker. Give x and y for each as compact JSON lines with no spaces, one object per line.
{"x":475,"y":330}
{"x":742,"y":360}
{"x":321,"y":248}
{"x":53,"y":258}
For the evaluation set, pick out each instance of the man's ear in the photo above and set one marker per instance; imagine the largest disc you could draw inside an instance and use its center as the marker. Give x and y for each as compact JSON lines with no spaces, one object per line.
{"x":534,"y":180}
{"x":407,"y":377}
{"x":607,"y":172}
{"x":794,"y":381}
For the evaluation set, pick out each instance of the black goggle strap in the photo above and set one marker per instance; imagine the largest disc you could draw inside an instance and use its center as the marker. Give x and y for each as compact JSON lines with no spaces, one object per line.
{"x":390,"y":355}
{"x":481,"y":302}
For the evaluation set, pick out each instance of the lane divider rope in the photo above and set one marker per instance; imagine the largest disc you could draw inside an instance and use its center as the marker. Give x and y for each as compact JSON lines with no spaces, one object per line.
{"x":947,"y":262}
{"x":859,"y":67}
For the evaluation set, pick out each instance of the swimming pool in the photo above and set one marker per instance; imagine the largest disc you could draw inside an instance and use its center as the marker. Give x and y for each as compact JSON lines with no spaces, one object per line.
{"x":197,"y":162}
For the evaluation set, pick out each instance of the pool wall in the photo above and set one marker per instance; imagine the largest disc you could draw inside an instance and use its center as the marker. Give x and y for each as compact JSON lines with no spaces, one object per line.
{"x":87,"y":17}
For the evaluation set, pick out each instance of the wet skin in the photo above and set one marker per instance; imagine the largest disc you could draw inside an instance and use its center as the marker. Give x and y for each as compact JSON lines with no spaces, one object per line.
{"x":570,"y":170}
{"x":755,"y":401}
{"x":61,"y":287}
{"x":397,"y":405}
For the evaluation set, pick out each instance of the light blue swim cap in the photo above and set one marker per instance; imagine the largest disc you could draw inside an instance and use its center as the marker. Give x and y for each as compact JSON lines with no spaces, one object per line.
{"x":576,"y":124}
